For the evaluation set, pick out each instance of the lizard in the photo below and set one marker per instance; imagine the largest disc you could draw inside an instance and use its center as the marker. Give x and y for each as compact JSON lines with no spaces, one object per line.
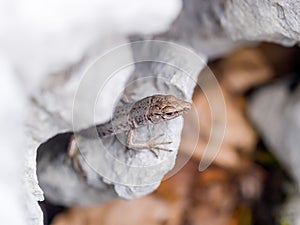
{"x":147,"y":111}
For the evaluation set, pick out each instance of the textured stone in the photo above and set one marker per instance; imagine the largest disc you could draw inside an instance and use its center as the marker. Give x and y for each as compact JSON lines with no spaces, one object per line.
{"x":217,"y":26}
{"x":263,"y":20}
{"x":199,"y":27}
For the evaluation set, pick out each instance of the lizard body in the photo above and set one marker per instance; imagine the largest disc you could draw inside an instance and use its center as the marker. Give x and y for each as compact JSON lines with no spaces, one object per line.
{"x":150,"y":110}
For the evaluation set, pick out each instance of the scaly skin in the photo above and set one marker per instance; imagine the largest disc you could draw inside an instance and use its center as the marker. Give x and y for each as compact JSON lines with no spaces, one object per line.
{"x":150,"y":110}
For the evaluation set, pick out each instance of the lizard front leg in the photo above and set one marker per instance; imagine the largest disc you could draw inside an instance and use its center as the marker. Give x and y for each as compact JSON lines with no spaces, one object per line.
{"x":151,"y":144}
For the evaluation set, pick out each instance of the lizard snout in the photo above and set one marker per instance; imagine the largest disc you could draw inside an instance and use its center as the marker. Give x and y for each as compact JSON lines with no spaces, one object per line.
{"x":185,"y":106}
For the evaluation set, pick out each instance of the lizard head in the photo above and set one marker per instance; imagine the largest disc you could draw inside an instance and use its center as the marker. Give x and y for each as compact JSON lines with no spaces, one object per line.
{"x":166,"y":107}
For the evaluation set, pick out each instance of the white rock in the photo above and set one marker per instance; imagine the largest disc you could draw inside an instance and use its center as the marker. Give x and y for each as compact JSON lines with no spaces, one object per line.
{"x":13,"y":106}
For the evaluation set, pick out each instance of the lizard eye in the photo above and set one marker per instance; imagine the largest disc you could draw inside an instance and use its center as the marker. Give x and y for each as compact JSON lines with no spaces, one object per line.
{"x":170,"y":115}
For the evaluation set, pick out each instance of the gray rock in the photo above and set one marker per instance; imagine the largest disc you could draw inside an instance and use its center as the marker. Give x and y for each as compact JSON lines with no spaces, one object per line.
{"x":199,"y":27}
{"x":216,"y":27}
{"x":263,"y":20}
{"x":275,"y":111}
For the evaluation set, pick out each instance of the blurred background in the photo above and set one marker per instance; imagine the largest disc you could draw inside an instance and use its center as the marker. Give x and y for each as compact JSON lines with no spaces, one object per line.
{"x":250,"y":46}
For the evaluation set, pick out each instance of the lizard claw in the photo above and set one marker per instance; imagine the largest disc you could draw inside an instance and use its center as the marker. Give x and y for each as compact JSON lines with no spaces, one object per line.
{"x":151,"y":144}
{"x":152,"y":149}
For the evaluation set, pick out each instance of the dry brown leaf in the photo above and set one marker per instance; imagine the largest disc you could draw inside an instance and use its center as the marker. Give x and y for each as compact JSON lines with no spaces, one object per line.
{"x":213,"y":199}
